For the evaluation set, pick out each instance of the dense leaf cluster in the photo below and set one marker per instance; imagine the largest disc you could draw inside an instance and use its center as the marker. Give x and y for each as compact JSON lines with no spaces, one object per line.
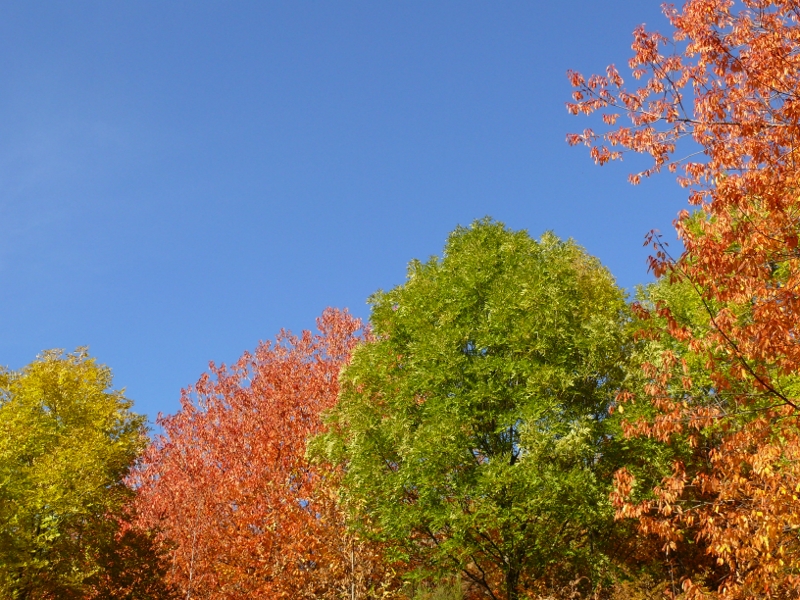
{"x":474,"y":425}
{"x":67,"y":442}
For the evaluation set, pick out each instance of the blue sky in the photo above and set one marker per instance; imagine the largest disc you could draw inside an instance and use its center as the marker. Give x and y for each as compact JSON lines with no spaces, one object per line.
{"x":179,"y":180}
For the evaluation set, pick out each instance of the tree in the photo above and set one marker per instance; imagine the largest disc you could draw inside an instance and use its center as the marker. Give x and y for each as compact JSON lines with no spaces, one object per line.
{"x":663,"y":369}
{"x":471,"y":426}
{"x":726,"y":80}
{"x":66,"y":443}
{"x":130,"y":565}
{"x":240,"y":509}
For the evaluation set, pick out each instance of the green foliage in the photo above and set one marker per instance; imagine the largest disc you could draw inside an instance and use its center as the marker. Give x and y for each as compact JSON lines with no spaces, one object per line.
{"x":445,"y":589}
{"x":472,"y":427}
{"x":66,"y":443}
{"x":660,"y":306}
{"x":664,"y":368}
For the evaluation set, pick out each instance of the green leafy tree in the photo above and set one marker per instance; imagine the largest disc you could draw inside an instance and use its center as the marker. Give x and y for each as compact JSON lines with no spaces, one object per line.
{"x":473,"y":427}
{"x":66,"y":443}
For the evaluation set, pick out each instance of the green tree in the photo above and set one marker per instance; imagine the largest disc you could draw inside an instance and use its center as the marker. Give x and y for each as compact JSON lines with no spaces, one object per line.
{"x":472,"y":428}
{"x":66,"y":443}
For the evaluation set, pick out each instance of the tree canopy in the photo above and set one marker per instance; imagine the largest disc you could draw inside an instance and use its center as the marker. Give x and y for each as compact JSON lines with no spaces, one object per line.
{"x":506,"y":426}
{"x":67,"y":441}
{"x":725,"y":80}
{"x":471,"y":427}
{"x":230,"y":490}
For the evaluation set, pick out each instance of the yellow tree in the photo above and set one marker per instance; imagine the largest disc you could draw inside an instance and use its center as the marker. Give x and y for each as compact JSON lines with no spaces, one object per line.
{"x":67,"y":441}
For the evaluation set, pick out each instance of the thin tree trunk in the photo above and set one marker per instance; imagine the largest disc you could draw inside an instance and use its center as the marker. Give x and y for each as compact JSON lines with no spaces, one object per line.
{"x":352,"y":569}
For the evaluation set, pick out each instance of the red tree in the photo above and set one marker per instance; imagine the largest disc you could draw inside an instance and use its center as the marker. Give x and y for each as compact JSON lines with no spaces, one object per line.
{"x":727,"y":78}
{"x":228,"y":485}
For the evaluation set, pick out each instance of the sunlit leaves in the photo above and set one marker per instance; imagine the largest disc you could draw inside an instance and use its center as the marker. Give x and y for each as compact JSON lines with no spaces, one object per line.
{"x":242,"y":511}
{"x":66,"y":443}
{"x":471,"y":426}
{"x":726,"y":80}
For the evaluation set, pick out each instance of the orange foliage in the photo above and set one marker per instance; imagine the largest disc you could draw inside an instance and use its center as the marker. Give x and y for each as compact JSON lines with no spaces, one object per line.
{"x":242,"y":511}
{"x":726,"y":86}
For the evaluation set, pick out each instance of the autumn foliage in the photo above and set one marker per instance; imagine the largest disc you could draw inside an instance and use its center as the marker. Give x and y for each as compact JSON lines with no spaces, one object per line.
{"x":67,"y":440}
{"x":510,"y":427}
{"x":717,"y":103}
{"x":230,"y":490}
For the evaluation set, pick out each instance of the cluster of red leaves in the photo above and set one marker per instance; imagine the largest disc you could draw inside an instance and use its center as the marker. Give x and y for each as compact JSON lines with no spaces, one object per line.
{"x":725,"y":85}
{"x":241,"y":510}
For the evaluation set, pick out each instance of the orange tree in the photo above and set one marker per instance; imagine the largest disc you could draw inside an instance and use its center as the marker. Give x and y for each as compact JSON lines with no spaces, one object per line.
{"x":716,"y":102}
{"x":228,"y":487}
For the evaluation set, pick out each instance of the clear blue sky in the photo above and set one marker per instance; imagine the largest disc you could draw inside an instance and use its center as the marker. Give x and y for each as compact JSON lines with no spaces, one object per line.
{"x":182,"y":179}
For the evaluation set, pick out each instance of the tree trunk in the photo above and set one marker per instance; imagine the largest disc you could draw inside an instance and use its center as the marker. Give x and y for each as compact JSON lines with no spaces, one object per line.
{"x":512,"y":583}
{"x":352,"y":569}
